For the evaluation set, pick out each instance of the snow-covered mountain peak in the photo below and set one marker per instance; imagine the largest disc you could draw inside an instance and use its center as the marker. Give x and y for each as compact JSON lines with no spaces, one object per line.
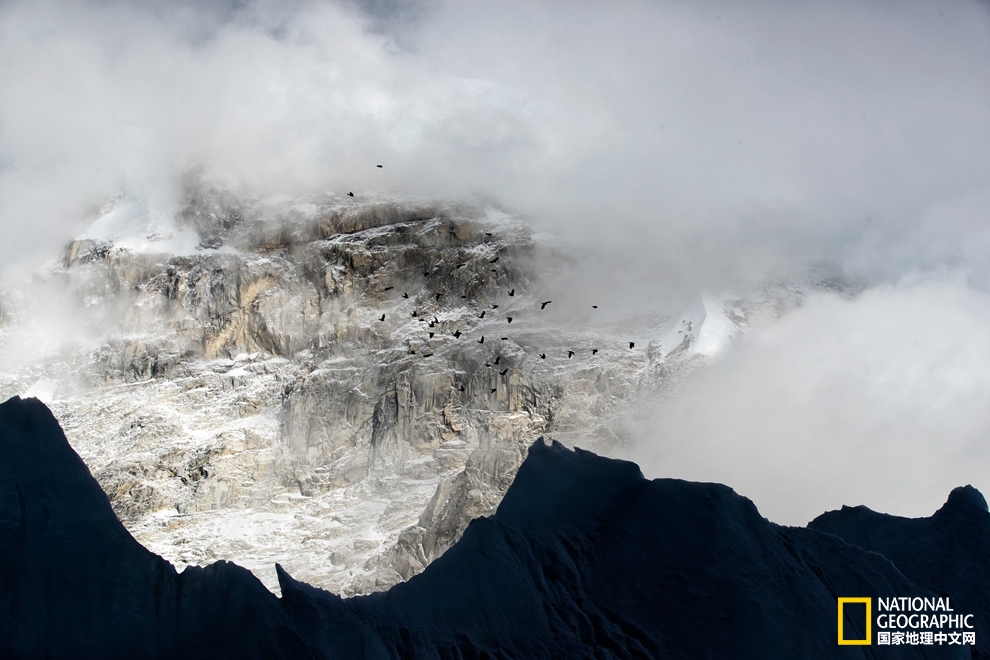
{"x":336,"y":384}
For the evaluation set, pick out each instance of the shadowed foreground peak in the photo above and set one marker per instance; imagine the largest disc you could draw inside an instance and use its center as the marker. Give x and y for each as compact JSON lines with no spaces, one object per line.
{"x":584,"y":558}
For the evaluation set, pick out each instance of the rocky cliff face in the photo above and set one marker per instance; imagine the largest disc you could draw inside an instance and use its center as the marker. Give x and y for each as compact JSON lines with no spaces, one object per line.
{"x":333,"y":384}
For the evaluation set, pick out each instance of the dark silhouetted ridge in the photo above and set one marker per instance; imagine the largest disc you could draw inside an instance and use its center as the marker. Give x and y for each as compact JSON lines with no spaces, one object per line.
{"x":948,"y":553}
{"x":584,"y":558}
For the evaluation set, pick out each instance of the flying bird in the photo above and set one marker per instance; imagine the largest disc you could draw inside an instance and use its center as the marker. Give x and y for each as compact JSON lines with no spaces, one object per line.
{"x":570,"y":354}
{"x":594,"y":351}
{"x":487,"y":365}
{"x":502,"y":373}
{"x":505,"y":339}
{"x":544,"y":305}
{"x":494,"y":390}
{"x":414,"y":312}
{"x":494,"y":261}
{"x":494,"y":306}
{"x":382,"y":318}
{"x":594,"y":307}
{"x":488,"y":233}
{"x":543,"y":356}
{"x":461,"y":265}
{"x":439,"y":295}
{"x":512,"y":293}
{"x":494,"y":271}
{"x":463,"y":297}
{"x":497,"y":359}
{"x":389,"y":288}
{"x":461,"y":388}
{"x":350,"y":194}
{"x":510,"y":318}
{"x":436,"y":320}
{"x":426,"y":273}
{"x":431,"y":335}
{"x":405,"y":295}
{"x":379,"y":166}
{"x":457,"y":333}
{"x":482,"y":314}
{"x":482,"y":340}
{"x":632,"y":344}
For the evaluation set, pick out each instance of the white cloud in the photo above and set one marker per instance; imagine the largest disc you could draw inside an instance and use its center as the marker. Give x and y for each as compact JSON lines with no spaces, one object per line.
{"x":878,"y":400}
{"x":844,"y":110}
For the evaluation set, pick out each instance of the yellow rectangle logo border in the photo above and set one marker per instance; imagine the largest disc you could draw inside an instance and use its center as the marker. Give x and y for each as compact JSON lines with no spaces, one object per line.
{"x":869,"y":620}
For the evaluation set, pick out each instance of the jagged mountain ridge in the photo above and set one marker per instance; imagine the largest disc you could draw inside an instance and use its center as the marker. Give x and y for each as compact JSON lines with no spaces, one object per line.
{"x":242,"y":400}
{"x":583,"y":558}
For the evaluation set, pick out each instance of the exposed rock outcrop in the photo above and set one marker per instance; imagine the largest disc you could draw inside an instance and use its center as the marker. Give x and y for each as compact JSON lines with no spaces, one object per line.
{"x":251,"y":379}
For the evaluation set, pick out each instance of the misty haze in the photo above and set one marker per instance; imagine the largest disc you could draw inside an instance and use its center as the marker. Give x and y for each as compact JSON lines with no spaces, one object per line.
{"x":280,"y":269}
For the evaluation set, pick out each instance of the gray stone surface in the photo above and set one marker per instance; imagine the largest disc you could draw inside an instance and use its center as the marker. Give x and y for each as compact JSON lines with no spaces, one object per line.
{"x":244,"y":400}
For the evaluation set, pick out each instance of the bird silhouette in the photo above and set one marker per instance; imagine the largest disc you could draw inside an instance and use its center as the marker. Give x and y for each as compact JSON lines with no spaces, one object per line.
{"x":544,"y":305}
{"x":494,"y":261}
{"x":405,"y":295}
{"x":461,"y":265}
{"x":594,"y":351}
{"x":497,"y":359}
{"x":594,"y":307}
{"x":350,"y":194}
{"x":457,"y":333}
{"x":389,"y":288}
{"x":461,"y":388}
{"x":494,"y":390}
{"x":494,"y":271}
{"x":505,"y":339}
{"x":463,"y":297}
{"x":379,"y":166}
{"x":436,"y":320}
{"x":488,"y":233}
{"x":412,"y":352}
{"x":414,"y":312}
{"x":439,"y":296}
{"x":510,"y":318}
{"x":482,"y":340}
{"x":570,"y":354}
{"x":494,"y":306}
{"x":502,"y":373}
{"x":432,"y":325}
{"x":426,"y":273}
{"x":382,"y":318}
{"x":512,"y":292}
{"x":632,"y":344}
{"x":431,"y":335}
{"x":543,"y":356}
{"x":482,"y":314}
{"x":487,"y":365}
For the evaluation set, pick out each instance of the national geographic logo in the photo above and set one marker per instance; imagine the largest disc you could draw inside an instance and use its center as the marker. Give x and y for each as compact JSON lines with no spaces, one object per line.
{"x":868,"y":639}
{"x":903,"y":621}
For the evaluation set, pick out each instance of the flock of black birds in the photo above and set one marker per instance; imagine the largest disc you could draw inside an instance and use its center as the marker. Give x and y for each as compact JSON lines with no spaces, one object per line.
{"x":457,"y":333}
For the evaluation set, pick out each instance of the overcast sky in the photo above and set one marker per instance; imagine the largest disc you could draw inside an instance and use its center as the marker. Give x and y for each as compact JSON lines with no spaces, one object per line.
{"x":704,"y":142}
